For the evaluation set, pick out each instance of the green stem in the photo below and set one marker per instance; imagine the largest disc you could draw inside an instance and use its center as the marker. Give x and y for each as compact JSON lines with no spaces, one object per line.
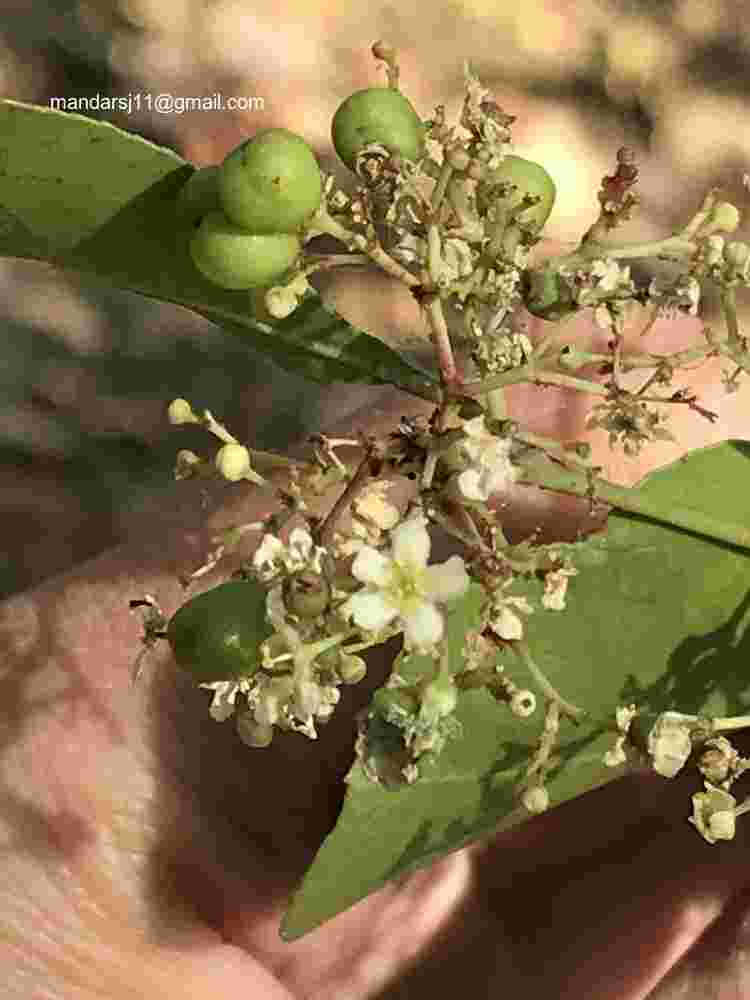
{"x":671,"y":246}
{"x":634,"y":501}
{"x":729,"y":308}
{"x":566,"y":707}
{"x":495,"y":404}
{"x":325,"y":223}
{"x":446,"y":172}
{"x":530,"y":373}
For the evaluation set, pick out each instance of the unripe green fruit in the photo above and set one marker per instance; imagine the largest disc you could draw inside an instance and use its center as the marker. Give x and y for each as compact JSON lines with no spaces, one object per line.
{"x":528,"y":178}
{"x":306,"y":595}
{"x":216,"y":636}
{"x":381,"y":115}
{"x":233,"y":258}
{"x":271,"y":183}
{"x":198,"y":196}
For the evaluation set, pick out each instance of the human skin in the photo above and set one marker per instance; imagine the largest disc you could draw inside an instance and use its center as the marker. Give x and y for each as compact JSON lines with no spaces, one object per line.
{"x":145,"y":852}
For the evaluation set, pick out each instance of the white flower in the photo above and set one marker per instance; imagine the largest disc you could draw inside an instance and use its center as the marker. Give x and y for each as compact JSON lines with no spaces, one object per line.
{"x":503,"y":618}
{"x":609,"y":274}
{"x":372,"y":514}
{"x":401,"y":586}
{"x":273,"y":557}
{"x":714,"y":814}
{"x":669,"y":742}
{"x":225,"y":693}
{"x":489,"y":468}
{"x":555,"y":588}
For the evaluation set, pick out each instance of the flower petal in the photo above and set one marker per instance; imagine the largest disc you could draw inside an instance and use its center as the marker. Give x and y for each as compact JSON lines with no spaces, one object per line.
{"x":475,"y":428}
{"x":371,"y":610}
{"x":410,"y":542}
{"x":371,"y":566}
{"x":222,"y":705}
{"x":471,"y":484}
{"x":445,"y":581}
{"x":506,"y":624}
{"x":423,"y":625}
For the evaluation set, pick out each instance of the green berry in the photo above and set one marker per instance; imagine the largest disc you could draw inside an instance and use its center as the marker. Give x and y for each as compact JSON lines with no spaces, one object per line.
{"x":216,"y":636}
{"x":306,"y":595}
{"x":526,"y":178}
{"x":271,"y":183}
{"x":198,"y":196}
{"x":232,"y":257}
{"x":380,"y":115}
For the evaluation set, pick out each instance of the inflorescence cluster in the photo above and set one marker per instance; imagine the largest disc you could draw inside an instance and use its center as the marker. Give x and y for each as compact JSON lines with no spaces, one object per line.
{"x":450,"y":211}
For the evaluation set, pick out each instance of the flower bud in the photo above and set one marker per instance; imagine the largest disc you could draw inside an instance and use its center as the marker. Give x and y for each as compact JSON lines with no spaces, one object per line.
{"x":438,"y":699}
{"x":233,"y":462}
{"x":713,"y":814}
{"x":280,"y":302}
{"x":181,"y":412}
{"x":737,"y":258}
{"x":536,"y":799}
{"x":252,"y":733}
{"x":724,"y":218}
{"x":351,"y":669}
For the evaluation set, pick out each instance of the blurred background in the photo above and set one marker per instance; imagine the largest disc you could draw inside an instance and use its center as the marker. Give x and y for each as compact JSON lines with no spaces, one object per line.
{"x":86,"y":372}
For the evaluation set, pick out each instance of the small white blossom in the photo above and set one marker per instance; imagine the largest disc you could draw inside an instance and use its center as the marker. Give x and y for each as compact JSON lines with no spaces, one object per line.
{"x":669,"y":742}
{"x":555,"y":588}
{"x":503,"y":617}
{"x":372,"y":514}
{"x":714,"y":814}
{"x":225,"y":694}
{"x":401,"y":586}
{"x":609,"y":273}
{"x":273,"y":558}
{"x":489,"y":468}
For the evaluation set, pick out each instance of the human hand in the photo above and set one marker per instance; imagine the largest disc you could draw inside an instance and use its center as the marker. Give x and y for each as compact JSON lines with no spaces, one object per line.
{"x":146,"y":852}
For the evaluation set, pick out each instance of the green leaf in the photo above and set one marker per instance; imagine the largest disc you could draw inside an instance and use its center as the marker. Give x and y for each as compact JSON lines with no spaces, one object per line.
{"x":658,"y":617}
{"x":87,"y":196}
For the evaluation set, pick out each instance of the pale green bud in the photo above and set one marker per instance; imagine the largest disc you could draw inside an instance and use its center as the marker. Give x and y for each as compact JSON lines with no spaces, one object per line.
{"x":351,"y":668}
{"x":181,"y":412}
{"x":252,"y":733}
{"x":536,"y":799}
{"x":737,"y":257}
{"x":233,"y":462}
{"x":724,"y":218}
{"x":438,"y":699}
